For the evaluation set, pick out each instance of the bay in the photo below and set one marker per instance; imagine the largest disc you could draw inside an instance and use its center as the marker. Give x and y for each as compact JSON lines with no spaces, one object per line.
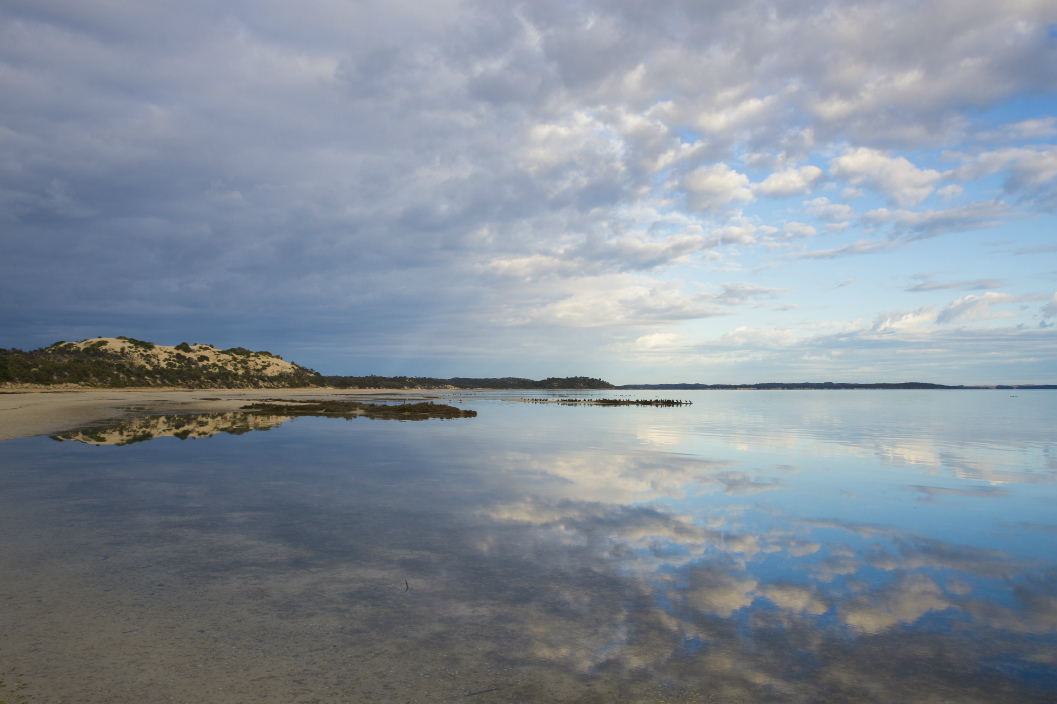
{"x":787,"y":546}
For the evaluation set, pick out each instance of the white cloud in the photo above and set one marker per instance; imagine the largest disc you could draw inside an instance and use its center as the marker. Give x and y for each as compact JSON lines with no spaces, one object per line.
{"x":951,"y":191}
{"x":905,"y":320}
{"x":623,"y":304}
{"x":737,"y":116}
{"x":823,"y":209}
{"x":744,"y":336}
{"x":972,"y":308}
{"x":796,"y":230}
{"x":1026,"y":165}
{"x":789,"y":182}
{"x":742,"y":233}
{"x":658,"y":340}
{"x":716,"y":186}
{"x":894,"y":177}
{"x":927,"y":284}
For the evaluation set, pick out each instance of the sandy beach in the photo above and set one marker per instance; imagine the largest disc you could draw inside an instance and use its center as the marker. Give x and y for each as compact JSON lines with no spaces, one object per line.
{"x":25,"y":412}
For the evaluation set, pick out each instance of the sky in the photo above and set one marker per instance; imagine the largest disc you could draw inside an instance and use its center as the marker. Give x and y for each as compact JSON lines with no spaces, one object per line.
{"x":671,"y":191}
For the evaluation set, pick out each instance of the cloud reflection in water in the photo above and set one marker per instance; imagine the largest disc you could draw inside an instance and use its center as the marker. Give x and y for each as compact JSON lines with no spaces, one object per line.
{"x":812,"y":566}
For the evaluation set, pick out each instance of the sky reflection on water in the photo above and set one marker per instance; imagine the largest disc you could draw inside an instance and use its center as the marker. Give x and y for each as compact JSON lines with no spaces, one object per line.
{"x":787,"y":546}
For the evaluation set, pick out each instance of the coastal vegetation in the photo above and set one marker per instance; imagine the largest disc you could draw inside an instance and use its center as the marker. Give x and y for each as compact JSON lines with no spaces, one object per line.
{"x":124,"y":362}
{"x":352,"y":409}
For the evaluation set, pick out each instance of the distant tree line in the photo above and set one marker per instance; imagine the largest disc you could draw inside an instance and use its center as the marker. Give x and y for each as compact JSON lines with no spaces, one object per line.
{"x":423,"y":382}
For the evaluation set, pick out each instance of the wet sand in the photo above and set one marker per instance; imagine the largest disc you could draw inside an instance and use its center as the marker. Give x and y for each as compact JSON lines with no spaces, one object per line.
{"x":26,"y":413}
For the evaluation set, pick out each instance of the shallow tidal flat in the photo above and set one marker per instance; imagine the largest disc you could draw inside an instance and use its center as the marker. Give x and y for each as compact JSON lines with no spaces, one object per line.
{"x":795,"y":546}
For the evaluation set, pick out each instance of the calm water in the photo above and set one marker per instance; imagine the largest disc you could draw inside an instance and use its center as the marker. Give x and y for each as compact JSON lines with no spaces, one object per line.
{"x":754,"y":547}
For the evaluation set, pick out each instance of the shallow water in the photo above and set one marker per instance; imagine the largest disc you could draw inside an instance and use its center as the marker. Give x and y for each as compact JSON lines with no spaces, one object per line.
{"x":875,"y":546}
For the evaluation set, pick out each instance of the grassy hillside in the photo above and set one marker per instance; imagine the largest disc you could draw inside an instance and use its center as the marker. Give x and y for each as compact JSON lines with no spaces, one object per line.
{"x":127,"y":362}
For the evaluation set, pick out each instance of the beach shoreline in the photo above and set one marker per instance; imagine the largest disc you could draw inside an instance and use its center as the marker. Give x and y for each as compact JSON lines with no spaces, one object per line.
{"x":28,"y":412}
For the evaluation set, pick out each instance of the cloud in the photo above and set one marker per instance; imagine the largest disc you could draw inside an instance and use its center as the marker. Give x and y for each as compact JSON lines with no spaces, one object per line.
{"x":972,"y":308}
{"x":716,"y":186}
{"x":658,"y":340}
{"x":624,"y":304}
{"x":904,"y":319}
{"x":927,"y":284}
{"x":823,"y":209}
{"x":908,"y":226}
{"x":1036,"y":249}
{"x":951,"y":191}
{"x":894,"y":177}
{"x":797,"y":230}
{"x":790,"y":182}
{"x":591,"y":256}
{"x":969,"y":216}
{"x":1050,"y":309}
{"x":356,"y":180}
{"x":1034,"y":129}
{"x":1028,"y":170}
{"x":740,"y":292}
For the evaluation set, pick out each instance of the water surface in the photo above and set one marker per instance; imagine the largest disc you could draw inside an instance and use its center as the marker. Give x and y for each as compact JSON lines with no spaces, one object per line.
{"x":873,"y":546}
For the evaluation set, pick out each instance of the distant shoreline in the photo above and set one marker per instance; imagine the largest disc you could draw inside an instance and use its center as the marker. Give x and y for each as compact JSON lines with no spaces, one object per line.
{"x":825,"y":386}
{"x":125,"y":363}
{"x":413,"y":384}
{"x":419,"y":384}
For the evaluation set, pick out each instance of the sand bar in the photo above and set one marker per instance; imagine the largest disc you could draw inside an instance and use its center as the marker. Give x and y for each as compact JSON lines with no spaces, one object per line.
{"x":25,"y":413}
